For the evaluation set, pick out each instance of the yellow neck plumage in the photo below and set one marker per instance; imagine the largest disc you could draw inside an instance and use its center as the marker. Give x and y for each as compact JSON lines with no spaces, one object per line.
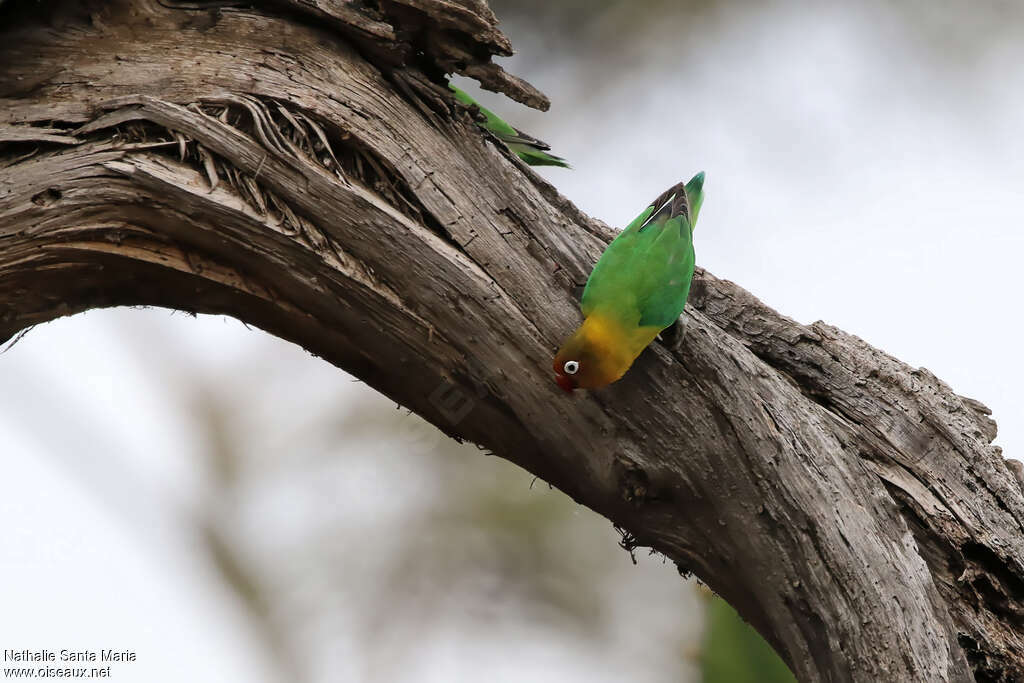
{"x":615,"y":345}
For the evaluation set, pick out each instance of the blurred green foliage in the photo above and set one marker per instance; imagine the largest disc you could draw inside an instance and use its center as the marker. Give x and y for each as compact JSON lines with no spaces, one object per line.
{"x":734,"y":652}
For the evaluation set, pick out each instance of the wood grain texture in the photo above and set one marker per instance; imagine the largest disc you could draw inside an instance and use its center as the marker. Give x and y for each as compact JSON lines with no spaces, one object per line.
{"x":299,"y":165}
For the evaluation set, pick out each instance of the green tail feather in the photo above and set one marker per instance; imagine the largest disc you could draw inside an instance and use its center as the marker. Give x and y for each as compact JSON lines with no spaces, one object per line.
{"x":695,"y":196}
{"x":537,"y":157}
{"x":526,"y":147}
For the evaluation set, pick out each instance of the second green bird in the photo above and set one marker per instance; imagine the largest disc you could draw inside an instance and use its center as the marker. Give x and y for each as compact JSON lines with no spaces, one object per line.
{"x":528,"y":148}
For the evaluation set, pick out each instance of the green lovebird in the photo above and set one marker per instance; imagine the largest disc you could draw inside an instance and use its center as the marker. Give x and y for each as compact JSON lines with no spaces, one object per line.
{"x":526,"y":147}
{"x":638,"y":288}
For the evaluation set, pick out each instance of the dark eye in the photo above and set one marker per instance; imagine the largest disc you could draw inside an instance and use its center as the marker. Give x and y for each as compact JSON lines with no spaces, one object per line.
{"x":571,"y":367}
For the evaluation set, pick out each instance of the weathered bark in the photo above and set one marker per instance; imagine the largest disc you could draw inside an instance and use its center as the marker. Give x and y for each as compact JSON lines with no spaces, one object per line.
{"x":296,"y":164}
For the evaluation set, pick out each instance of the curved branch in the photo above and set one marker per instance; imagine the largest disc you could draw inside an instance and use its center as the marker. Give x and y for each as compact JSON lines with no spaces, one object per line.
{"x":298,"y":166}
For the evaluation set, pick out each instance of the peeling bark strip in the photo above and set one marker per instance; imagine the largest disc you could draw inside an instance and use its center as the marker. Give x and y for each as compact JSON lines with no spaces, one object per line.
{"x":298,"y":164}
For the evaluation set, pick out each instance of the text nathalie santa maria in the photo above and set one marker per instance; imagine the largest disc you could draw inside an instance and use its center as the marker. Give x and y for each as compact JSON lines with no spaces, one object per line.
{"x":110,"y":655}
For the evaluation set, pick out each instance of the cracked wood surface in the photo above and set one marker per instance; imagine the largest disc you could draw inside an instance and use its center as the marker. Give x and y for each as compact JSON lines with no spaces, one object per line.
{"x":298,"y":164}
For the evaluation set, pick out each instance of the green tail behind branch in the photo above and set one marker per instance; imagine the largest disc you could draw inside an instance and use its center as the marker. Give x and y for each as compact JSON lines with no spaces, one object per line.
{"x":526,"y":147}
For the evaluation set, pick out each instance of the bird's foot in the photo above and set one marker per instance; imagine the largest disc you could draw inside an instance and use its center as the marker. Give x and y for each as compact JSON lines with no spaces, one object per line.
{"x":673,"y":334}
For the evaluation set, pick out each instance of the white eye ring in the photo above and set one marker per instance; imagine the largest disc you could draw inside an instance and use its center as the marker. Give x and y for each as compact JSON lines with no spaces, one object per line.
{"x":571,"y":367}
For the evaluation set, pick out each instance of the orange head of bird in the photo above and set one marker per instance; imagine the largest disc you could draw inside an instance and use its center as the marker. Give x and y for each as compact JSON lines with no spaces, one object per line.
{"x":597,"y":354}
{"x":582,"y":364}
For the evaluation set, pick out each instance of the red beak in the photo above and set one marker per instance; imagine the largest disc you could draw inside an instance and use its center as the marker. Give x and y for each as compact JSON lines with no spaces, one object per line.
{"x":565,"y":383}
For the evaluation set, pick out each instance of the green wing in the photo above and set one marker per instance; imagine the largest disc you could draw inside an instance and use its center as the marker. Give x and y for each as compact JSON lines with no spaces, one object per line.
{"x":643,"y":277}
{"x":526,"y":147}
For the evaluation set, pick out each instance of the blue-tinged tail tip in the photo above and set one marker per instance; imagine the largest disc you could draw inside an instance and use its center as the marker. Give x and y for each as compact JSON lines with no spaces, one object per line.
{"x":695,"y":196}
